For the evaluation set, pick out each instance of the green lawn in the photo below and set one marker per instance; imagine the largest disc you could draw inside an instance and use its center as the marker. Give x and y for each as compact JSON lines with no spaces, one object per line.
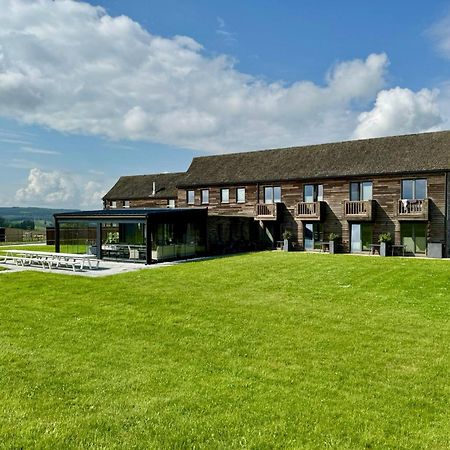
{"x":268,"y":350}
{"x":37,"y":248}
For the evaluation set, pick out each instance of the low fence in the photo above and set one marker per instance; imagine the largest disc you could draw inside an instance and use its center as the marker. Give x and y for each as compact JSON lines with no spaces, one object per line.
{"x":16,"y":235}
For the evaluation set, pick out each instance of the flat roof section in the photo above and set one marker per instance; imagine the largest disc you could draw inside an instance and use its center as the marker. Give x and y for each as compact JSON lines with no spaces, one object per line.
{"x":132,"y":214}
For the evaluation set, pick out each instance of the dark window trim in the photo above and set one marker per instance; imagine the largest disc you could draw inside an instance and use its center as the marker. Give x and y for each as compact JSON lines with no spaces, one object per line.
{"x":201,"y":196}
{"x":187,"y":197}
{"x":359,"y":183}
{"x":316,"y":191}
{"x":245,"y":194}
{"x":273,"y":186}
{"x":414,"y":187}
{"x":221,"y":196}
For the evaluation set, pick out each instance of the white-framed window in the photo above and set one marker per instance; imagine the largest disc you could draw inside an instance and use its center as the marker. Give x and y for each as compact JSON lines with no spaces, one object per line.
{"x":225,"y":195}
{"x":240,"y":195}
{"x":113,"y":204}
{"x":205,"y":196}
{"x":272,"y":194}
{"x":171,"y":203}
{"x":126,"y":203}
{"x":190,"y":197}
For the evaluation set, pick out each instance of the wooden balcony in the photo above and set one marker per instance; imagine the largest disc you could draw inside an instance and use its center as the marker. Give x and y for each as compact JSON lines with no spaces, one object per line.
{"x":359,"y":210}
{"x":266,"y":211}
{"x":309,"y":211}
{"x":413,"y":210}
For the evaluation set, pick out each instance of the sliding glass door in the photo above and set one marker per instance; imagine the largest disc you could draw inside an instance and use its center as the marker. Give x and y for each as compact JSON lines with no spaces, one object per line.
{"x":414,"y":237}
{"x":312,"y":236}
{"x":360,"y":237}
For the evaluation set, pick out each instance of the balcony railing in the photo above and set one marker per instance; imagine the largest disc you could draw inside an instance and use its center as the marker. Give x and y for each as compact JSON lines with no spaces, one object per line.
{"x":413,"y":209}
{"x":266,"y":211}
{"x":309,"y":211}
{"x":358,"y":210}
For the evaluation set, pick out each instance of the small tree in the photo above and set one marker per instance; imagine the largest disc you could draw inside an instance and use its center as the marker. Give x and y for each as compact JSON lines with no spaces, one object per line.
{"x":385,"y":237}
{"x":333,"y":237}
{"x":287,"y":234}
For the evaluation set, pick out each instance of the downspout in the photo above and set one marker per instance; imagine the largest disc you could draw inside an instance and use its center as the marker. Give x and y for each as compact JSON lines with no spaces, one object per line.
{"x":148,"y":242}
{"x":446,"y":215}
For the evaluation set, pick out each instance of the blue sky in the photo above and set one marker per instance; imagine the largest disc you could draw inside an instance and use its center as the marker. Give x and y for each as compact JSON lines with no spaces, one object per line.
{"x":89,"y":94}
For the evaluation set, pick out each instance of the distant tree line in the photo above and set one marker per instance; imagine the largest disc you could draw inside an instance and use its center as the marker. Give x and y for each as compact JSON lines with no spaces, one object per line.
{"x":26,"y":224}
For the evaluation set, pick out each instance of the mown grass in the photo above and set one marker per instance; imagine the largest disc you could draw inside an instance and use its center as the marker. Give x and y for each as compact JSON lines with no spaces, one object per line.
{"x":268,"y":350}
{"x":37,"y":248}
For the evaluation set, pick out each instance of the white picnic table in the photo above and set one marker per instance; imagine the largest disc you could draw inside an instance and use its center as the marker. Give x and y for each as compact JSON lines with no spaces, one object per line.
{"x":50,"y":259}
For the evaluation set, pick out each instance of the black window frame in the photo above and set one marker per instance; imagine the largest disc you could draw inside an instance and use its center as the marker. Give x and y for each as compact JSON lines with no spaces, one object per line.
{"x":414,"y":180}
{"x":201,"y":197}
{"x":315,"y":191}
{"x":221,"y":195}
{"x":360,"y":191}
{"x":193,"y":197}
{"x":237,"y":195}
{"x":272,"y":187}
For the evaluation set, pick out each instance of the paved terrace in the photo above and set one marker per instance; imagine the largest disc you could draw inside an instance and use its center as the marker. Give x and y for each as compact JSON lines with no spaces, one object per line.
{"x":106,"y":268}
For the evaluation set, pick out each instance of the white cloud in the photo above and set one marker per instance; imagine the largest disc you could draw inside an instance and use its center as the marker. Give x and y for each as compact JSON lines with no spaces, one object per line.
{"x":72,"y":67}
{"x":440,"y":33}
{"x":400,"y":111}
{"x":39,"y":151}
{"x":56,"y":188}
{"x":228,"y":37}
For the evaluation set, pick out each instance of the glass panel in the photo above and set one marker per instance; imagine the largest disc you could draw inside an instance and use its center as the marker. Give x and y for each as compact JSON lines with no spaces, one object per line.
{"x":354,"y":192}
{"x":407,"y":189}
{"x":366,"y":236}
{"x":268,"y":194}
{"x":309,"y":236}
{"x":356,"y":238}
{"x":407,"y":236}
{"x":319,"y":192}
{"x":366,"y":190}
{"x":317,"y":236}
{"x":225,"y":195}
{"x":308,"y":193}
{"x":190,"y":197}
{"x":420,"y":237}
{"x":240,"y":195}
{"x":277,"y":194}
{"x":205,"y":195}
{"x":421,"y":189}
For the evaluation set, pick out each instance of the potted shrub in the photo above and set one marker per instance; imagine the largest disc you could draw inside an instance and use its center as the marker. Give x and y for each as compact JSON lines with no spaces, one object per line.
{"x":287,"y":236}
{"x":385,"y":240}
{"x":333,"y":239}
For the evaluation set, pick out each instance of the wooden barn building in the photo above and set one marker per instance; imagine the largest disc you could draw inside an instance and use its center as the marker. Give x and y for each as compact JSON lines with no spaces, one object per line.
{"x":356,"y":190}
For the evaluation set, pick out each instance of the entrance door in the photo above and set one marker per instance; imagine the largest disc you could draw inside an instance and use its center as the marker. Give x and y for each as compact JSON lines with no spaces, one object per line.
{"x":309,"y":236}
{"x":414,"y":237}
{"x":360,"y":237}
{"x":355,"y":235}
{"x":312,"y":235}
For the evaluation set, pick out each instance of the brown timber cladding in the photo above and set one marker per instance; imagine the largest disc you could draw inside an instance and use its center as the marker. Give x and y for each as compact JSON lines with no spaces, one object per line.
{"x":141,"y":203}
{"x":386,"y":195}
